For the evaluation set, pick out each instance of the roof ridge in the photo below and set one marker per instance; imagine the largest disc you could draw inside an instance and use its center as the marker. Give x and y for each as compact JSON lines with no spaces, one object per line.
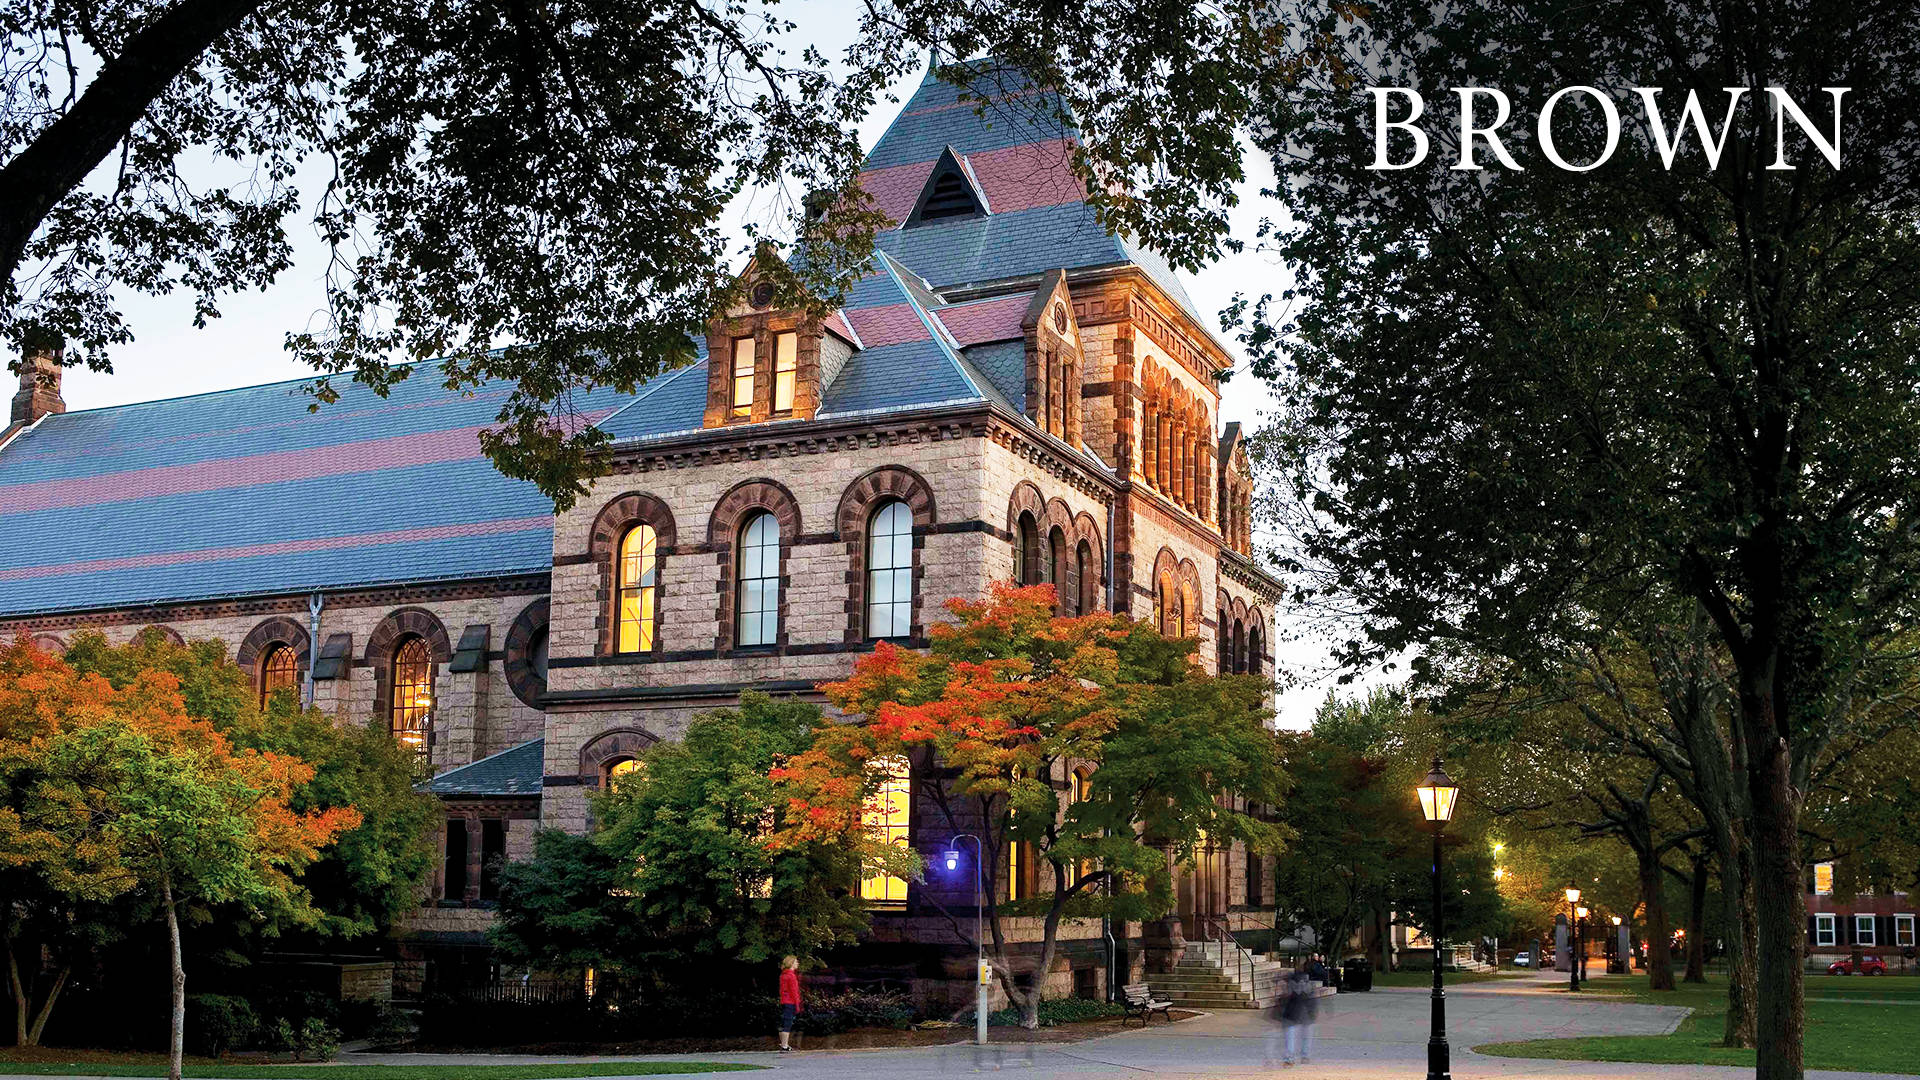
{"x":409,"y":365}
{"x":935,"y":329}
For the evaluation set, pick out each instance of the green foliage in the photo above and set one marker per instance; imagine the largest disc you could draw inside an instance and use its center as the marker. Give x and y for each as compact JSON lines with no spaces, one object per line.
{"x":316,"y":1040}
{"x":830,"y":1014}
{"x":1060,"y":1011}
{"x":566,"y":909}
{"x":219,"y":1022}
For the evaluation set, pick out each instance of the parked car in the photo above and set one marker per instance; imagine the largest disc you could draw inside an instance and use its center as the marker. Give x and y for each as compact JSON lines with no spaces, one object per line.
{"x":1869,"y":965}
{"x":1523,"y":959}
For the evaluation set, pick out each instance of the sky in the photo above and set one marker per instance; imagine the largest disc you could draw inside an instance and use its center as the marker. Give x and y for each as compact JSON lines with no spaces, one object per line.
{"x":170,"y":357}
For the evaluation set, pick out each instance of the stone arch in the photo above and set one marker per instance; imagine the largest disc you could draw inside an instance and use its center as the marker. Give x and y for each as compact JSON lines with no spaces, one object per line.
{"x":1093,"y":574}
{"x":857,"y":506}
{"x":166,"y":633}
{"x":610,"y":746}
{"x":397,"y":627}
{"x":735,"y":509}
{"x":1026,"y":500}
{"x":278,"y":630}
{"x":610,"y":527}
{"x":524,"y":638}
{"x":50,"y":644}
{"x":1166,"y":590}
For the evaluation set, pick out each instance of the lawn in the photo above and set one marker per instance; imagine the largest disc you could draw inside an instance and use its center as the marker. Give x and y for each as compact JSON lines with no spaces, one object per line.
{"x":47,"y":1062}
{"x":1453,"y":978}
{"x":1859,"y":1024}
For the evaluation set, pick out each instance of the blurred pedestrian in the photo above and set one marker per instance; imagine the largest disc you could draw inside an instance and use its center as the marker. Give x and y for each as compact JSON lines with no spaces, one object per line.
{"x":790,"y":1006}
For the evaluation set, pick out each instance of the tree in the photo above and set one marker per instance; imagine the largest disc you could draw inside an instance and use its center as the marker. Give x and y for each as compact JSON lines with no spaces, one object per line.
{"x":121,"y":790}
{"x":1337,"y":875}
{"x":533,"y":192}
{"x":677,"y":883}
{"x":1528,"y":407}
{"x":1093,"y":743}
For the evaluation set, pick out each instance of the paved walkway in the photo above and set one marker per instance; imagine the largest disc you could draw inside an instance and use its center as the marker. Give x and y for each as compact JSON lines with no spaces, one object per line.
{"x":1381,"y":1034}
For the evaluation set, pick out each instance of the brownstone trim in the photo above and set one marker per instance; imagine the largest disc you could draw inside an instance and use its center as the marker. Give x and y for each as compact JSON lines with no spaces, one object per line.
{"x":723,"y":535}
{"x":385,"y":641}
{"x":610,"y":526}
{"x":609,"y":746}
{"x":857,"y":506}
{"x":50,"y":644}
{"x":278,"y":630}
{"x":526,"y":683}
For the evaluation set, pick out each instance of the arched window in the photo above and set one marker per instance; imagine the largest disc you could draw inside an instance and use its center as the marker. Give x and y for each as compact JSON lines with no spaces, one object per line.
{"x":412,"y":709}
{"x":1082,"y":781}
{"x":1256,"y":880}
{"x":888,"y":817}
{"x":1256,"y":651}
{"x":1057,"y":570}
{"x":1238,"y":655}
{"x":1026,"y":570}
{"x":639,"y":590}
{"x":1088,"y":578}
{"x":890,"y":571}
{"x":759,"y":582}
{"x":622,"y":767}
{"x":1164,"y":599}
{"x":1022,"y":874}
{"x":279,"y":670}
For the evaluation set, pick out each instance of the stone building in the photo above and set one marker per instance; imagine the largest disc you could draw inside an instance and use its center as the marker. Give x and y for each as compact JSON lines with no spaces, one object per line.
{"x":1011,"y":392}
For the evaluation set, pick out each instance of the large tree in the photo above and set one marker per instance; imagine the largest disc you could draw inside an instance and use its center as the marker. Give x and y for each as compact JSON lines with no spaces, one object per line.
{"x":1094,"y":744}
{"x":1525,"y":406}
{"x":536,"y":192}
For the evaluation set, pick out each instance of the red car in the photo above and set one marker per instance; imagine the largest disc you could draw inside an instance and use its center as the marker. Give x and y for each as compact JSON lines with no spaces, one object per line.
{"x":1869,"y":965}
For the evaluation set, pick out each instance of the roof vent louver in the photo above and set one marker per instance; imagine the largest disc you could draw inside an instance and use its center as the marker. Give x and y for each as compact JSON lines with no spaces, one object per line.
{"x":950,"y":193}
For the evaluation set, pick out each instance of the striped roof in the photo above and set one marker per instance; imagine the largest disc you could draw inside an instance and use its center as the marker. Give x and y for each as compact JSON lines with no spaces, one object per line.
{"x":244,"y":492}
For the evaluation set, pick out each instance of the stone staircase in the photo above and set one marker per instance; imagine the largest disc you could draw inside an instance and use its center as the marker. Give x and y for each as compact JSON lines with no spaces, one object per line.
{"x":1204,"y":980}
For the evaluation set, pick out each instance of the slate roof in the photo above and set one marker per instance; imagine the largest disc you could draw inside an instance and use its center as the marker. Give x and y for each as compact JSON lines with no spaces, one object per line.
{"x":509,"y":772}
{"x":244,"y":492}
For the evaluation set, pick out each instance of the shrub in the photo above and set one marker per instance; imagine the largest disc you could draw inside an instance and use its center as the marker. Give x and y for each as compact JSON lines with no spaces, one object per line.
{"x":219,"y":1022}
{"x":1059,"y":1011}
{"x":278,"y":1035}
{"x":830,"y":1014}
{"x":317,"y":1039}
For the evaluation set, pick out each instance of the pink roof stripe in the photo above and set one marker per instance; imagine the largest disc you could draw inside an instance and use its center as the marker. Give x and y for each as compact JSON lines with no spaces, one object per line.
{"x":888,"y":324}
{"x":837,"y":322}
{"x":988,"y":320}
{"x":285,"y":547}
{"x":1014,"y":178}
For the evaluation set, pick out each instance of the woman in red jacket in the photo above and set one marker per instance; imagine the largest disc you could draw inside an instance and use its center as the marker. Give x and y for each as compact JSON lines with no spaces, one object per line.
{"x":789,"y":999}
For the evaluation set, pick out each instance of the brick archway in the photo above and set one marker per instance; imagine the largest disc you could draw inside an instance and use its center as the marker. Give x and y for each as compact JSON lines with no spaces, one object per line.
{"x":610,"y":746}
{"x":723,"y":532}
{"x":610,"y":527}
{"x":279,"y":630}
{"x":385,"y":640}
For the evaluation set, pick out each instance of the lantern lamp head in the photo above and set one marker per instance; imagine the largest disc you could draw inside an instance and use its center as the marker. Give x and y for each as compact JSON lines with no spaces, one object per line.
{"x":1616,"y":920}
{"x":1438,"y":793}
{"x":1580,"y":912}
{"x":952,"y":858}
{"x":1573,"y":895}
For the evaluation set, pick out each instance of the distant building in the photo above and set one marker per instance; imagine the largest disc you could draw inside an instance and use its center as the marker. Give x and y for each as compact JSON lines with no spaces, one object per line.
{"x":1880,"y":923}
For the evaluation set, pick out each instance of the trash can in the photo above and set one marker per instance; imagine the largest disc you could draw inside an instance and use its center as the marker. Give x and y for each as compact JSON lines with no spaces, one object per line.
{"x":1356,"y":975}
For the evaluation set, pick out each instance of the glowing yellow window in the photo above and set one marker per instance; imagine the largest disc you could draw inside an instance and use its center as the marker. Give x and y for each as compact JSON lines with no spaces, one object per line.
{"x":786,"y":362}
{"x":410,"y":716}
{"x":1082,"y":791}
{"x":279,"y":670}
{"x":625,"y":767}
{"x":639,"y":586}
{"x":1823,"y":878}
{"x":887,"y":817}
{"x":742,"y":376}
{"x":1021,"y":870}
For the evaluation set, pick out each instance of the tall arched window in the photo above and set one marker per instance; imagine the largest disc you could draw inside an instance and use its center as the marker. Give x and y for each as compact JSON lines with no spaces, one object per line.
{"x":412,"y":708}
{"x":1026,"y":570}
{"x":758,"y":622}
{"x":890,"y":571}
{"x":279,"y":670}
{"x":1022,"y":875}
{"x":1057,"y":569}
{"x":1256,"y":651}
{"x":1088,"y":578}
{"x":888,"y":817}
{"x":1238,"y":656}
{"x":639,"y":590}
{"x":1082,"y":780}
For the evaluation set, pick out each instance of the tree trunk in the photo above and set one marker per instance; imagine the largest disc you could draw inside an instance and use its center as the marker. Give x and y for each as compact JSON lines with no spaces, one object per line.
{"x":177,"y":1029}
{"x":1779,"y":905}
{"x":20,"y":1037}
{"x":46,"y":1007}
{"x":1697,"y":923}
{"x":1743,"y":990}
{"x":1659,"y":931}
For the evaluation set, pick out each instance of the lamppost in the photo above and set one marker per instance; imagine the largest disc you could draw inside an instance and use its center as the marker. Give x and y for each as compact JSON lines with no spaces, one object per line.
{"x":952,"y":859}
{"x":1573,"y":938}
{"x":1438,"y":793}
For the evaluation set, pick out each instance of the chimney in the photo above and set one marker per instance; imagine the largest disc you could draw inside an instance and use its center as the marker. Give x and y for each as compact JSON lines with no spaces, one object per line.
{"x":39,"y":393}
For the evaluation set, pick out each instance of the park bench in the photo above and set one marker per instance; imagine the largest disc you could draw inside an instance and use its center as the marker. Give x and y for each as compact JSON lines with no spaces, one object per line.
{"x":1140,"y":1002}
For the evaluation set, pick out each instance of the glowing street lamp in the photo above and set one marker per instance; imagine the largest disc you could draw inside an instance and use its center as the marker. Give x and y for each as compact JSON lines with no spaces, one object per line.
{"x":951,"y":858}
{"x":1573,"y":938}
{"x":1438,"y":794}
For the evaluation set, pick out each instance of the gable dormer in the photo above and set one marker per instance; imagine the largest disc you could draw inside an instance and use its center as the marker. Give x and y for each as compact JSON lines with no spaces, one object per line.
{"x":1054,"y":365}
{"x":951,"y":193}
{"x":766,"y":362}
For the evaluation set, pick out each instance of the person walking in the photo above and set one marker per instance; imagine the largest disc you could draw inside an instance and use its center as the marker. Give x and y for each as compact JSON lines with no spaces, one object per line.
{"x":790,"y":1006}
{"x":1302,"y":1004}
{"x":1277,"y":1038}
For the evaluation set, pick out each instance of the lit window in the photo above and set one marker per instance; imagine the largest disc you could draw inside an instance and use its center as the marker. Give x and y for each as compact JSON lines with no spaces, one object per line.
{"x":1823,"y":879}
{"x":890,"y":571}
{"x":624,"y":767}
{"x":742,"y":376}
{"x":786,"y":361}
{"x":759,"y":583}
{"x":412,"y":694}
{"x":887,"y":817}
{"x":1082,"y":791}
{"x":1863,"y":930}
{"x":639,"y":588}
{"x":1903,"y":930}
{"x":1824,"y":930}
{"x":1020,"y":870}
{"x":279,"y":670}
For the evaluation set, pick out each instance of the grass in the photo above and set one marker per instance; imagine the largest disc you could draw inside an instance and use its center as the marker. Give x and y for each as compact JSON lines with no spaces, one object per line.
{"x":1849,"y":1026}
{"x":43,"y":1062}
{"x":1453,"y":978}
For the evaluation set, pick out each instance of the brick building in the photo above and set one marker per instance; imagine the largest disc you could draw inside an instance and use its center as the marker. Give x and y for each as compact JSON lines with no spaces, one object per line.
{"x":1874,"y":923}
{"x":1010,"y":393}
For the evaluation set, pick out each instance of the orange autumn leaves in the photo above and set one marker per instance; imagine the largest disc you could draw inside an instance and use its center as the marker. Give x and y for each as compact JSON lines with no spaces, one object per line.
{"x":109,"y":789}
